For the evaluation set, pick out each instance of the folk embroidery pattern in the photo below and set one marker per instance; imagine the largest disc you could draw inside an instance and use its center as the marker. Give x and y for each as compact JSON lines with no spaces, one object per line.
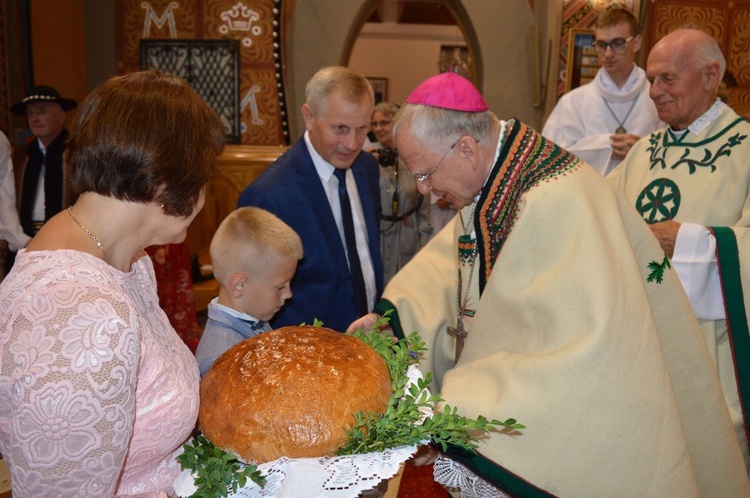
{"x":659,"y":201}
{"x":659,"y":146}
{"x":527,"y":159}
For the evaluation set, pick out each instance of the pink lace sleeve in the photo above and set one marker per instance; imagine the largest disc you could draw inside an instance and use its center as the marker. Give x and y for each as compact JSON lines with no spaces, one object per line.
{"x":74,"y":351}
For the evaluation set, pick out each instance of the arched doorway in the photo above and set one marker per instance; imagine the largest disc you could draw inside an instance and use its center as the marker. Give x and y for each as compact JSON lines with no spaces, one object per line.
{"x":403,"y":43}
{"x":323,"y":33}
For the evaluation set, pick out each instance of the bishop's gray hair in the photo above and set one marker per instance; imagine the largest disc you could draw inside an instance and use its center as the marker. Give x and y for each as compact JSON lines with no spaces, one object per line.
{"x":433,"y":126}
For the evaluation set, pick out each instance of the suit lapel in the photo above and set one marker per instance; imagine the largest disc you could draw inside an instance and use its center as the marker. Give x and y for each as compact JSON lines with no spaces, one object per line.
{"x":312,"y":190}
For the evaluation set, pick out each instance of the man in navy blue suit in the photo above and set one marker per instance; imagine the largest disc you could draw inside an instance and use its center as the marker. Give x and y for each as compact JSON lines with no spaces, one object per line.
{"x":341,"y":274}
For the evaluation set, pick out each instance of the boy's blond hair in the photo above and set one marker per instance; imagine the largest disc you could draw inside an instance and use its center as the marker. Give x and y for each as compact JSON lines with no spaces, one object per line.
{"x":246,"y":238}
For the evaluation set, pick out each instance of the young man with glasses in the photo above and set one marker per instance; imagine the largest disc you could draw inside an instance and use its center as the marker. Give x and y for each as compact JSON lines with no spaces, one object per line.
{"x":600,"y":121}
{"x":546,"y":300}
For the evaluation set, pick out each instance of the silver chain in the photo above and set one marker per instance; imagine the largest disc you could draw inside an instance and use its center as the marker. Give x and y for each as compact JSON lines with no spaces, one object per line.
{"x":621,"y":128}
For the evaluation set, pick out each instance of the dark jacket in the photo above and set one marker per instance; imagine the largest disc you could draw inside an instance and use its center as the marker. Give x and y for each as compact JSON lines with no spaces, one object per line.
{"x":322,"y":286}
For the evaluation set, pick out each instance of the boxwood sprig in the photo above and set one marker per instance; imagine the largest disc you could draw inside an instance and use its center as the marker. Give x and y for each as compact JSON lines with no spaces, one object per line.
{"x":215,"y":471}
{"x":403,"y":422}
{"x":398,"y":355}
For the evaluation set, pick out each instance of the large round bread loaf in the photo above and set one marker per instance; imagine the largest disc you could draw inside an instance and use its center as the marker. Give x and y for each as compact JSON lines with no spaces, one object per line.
{"x":290,"y":392}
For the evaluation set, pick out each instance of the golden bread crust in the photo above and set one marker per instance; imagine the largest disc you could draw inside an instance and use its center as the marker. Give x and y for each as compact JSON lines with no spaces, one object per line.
{"x":291,"y":392}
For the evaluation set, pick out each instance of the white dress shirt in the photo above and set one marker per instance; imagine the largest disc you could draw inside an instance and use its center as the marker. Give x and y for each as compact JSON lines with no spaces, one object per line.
{"x":10,"y":226}
{"x":330,"y":185}
{"x":694,"y":258}
{"x":39,"y":213}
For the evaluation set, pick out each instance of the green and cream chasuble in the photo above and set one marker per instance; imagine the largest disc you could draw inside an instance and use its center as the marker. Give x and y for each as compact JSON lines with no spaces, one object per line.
{"x":705,"y":179}
{"x":608,"y":371}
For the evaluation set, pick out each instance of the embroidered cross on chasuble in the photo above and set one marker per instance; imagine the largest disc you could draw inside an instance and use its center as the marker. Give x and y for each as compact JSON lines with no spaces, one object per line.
{"x":526,"y":159}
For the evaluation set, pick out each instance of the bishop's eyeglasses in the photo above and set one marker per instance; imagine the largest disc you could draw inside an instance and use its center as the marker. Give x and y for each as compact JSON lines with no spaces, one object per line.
{"x":617,"y":45}
{"x":422,"y":177}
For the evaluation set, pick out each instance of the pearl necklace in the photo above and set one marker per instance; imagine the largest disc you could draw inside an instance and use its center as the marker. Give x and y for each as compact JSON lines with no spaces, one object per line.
{"x":90,"y":234}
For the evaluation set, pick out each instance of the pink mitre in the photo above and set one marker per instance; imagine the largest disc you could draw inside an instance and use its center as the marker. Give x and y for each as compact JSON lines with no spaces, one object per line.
{"x":449,"y":91}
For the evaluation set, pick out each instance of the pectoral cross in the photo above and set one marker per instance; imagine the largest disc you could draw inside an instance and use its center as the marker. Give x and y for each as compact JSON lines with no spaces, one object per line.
{"x":460,"y":334}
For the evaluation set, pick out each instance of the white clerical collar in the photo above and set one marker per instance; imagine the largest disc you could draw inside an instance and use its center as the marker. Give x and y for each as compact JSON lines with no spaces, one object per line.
{"x":608,"y":89}
{"x":500,"y":143}
{"x":711,"y":115}
{"x":237,"y":314}
{"x":324,"y":168}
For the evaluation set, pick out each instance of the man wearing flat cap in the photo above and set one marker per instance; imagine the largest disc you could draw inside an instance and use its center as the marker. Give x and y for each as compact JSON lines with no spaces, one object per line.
{"x":547,"y":299}
{"x":40,"y":172}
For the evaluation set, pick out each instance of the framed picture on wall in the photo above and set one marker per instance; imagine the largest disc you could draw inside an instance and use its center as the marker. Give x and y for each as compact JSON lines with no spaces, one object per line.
{"x":211,"y":67}
{"x":456,"y":58}
{"x":380,"y":87}
{"x":583,"y":61}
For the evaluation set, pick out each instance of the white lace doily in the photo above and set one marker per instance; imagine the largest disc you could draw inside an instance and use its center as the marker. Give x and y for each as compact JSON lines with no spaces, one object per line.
{"x":326,"y":477}
{"x":334,"y":477}
{"x":453,"y":475}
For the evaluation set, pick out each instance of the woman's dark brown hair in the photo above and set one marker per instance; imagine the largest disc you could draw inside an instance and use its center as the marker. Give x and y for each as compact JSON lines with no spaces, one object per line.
{"x":144,"y":137}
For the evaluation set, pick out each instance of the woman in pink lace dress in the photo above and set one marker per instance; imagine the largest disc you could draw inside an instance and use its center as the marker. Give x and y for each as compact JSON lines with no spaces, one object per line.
{"x":97,"y":392}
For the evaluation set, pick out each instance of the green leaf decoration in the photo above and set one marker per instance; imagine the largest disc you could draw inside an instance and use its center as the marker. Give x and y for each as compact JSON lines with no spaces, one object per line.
{"x":657,"y":270}
{"x":402,"y":423}
{"x":215,"y":471}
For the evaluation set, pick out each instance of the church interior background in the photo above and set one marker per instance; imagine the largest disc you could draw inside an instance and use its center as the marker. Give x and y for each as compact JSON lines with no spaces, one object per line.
{"x":251,"y":58}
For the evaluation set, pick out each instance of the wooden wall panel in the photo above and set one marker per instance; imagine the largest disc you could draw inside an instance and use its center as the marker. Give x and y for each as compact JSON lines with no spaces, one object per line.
{"x":156,"y":19}
{"x":668,"y":15}
{"x":239,"y":165}
{"x":253,"y":22}
{"x":726,"y":20}
{"x":58,"y":46}
{"x":4,"y":80}
{"x":738,"y":47}
{"x":261,"y":113}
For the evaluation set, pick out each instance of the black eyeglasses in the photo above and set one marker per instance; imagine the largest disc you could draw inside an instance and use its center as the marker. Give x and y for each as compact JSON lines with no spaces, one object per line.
{"x":617,"y":45}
